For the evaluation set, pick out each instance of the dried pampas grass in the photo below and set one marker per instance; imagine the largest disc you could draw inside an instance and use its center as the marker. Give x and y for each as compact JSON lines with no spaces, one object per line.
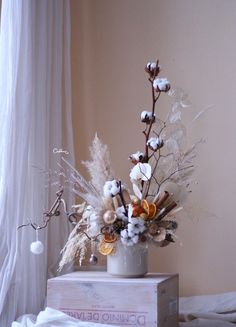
{"x":99,"y":167}
{"x":75,"y":247}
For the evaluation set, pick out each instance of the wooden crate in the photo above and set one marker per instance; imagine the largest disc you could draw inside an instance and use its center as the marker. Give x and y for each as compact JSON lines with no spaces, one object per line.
{"x":98,"y":297}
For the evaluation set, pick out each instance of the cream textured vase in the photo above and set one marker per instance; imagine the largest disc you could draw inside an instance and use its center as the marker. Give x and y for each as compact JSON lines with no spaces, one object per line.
{"x":128,"y":261}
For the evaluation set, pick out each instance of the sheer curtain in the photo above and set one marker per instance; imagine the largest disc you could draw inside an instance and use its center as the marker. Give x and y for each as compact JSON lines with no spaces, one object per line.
{"x":35,"y":117}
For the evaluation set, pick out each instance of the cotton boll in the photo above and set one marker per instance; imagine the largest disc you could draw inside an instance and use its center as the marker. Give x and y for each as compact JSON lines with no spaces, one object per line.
{"x":147,"y":117}
{"x":153,"y":68}
{"x":136,"y":157}
{"x":37,"y":247}
{"x":155,"y":143}
{"x":111,"y":188}
{"x":161,"y":84}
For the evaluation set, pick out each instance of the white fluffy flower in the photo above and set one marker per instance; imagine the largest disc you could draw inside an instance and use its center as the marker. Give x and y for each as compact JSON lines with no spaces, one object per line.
{"x":136,"y":157}
{"x":120,"y":212}
{"x":111,"y":188}
{"x":127,"y":239}
{"x":161,"y":84}
{"x":152,"y":68}
{"x":136,"y":226}
{"x":147,"y":117}
{"x":151,"y":65}
{"x":141,"y":171}
{"x":155,"y":143}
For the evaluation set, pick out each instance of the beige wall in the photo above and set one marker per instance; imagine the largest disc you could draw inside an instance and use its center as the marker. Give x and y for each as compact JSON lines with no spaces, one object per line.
{"x":195,"y":41}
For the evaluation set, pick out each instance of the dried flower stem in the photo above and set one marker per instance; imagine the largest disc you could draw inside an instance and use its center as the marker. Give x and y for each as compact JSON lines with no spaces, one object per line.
{"x":122,"y":199}
{"x":147,"y":133}
{"x":153,"y":172}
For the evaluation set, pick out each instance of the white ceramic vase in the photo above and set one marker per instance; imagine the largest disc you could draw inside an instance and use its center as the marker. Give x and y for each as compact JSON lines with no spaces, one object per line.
{"x":128,"y":261}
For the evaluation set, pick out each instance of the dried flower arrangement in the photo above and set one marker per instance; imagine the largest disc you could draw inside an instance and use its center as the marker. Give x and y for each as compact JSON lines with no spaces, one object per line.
{"x":161,"y":177}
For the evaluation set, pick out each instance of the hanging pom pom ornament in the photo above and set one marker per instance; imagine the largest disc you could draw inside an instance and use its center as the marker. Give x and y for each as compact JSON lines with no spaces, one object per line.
{"x":37,"y":247}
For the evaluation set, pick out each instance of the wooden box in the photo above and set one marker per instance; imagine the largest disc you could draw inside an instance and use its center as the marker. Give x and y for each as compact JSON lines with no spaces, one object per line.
{"x":98,"y":297}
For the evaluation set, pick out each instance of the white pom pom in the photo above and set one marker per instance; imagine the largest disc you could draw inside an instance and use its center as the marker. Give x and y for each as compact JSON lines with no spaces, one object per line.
{"x":36,"y":247}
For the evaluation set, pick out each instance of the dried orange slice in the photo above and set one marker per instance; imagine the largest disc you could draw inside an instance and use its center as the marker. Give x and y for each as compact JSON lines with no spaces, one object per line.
{"x":106,"y":248}
{"x":109,"y":238}
{"x":152,"y":210}
{"x":145,"y":206}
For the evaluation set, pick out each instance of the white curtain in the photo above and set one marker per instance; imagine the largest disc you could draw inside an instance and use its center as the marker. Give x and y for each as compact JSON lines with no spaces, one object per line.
{"x":35,"y":117}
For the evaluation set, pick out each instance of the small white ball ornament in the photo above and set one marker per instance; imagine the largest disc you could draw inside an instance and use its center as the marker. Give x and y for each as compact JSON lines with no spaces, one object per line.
{"x":37,"y":247}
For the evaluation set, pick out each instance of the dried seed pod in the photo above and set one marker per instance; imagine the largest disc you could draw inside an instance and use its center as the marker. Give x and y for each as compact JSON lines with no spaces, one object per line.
{"x":153,"y":229}
{"x":160,"y":236}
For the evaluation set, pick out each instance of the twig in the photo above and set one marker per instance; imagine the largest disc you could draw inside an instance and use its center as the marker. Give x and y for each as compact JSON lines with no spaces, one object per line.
{"x":167,"y":178}
{"x":52,"y":212}
{"x":122,"y":199}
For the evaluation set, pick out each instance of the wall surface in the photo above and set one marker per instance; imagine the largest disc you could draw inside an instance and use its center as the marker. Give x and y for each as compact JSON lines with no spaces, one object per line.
{"x":195,"y":42}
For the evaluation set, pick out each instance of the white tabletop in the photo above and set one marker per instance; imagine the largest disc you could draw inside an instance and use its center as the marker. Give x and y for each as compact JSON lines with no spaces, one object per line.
{"x":101,"y":276}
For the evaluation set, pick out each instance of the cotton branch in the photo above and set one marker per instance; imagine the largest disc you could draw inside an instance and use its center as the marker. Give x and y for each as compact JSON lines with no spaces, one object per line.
{"x":147,"y":134}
